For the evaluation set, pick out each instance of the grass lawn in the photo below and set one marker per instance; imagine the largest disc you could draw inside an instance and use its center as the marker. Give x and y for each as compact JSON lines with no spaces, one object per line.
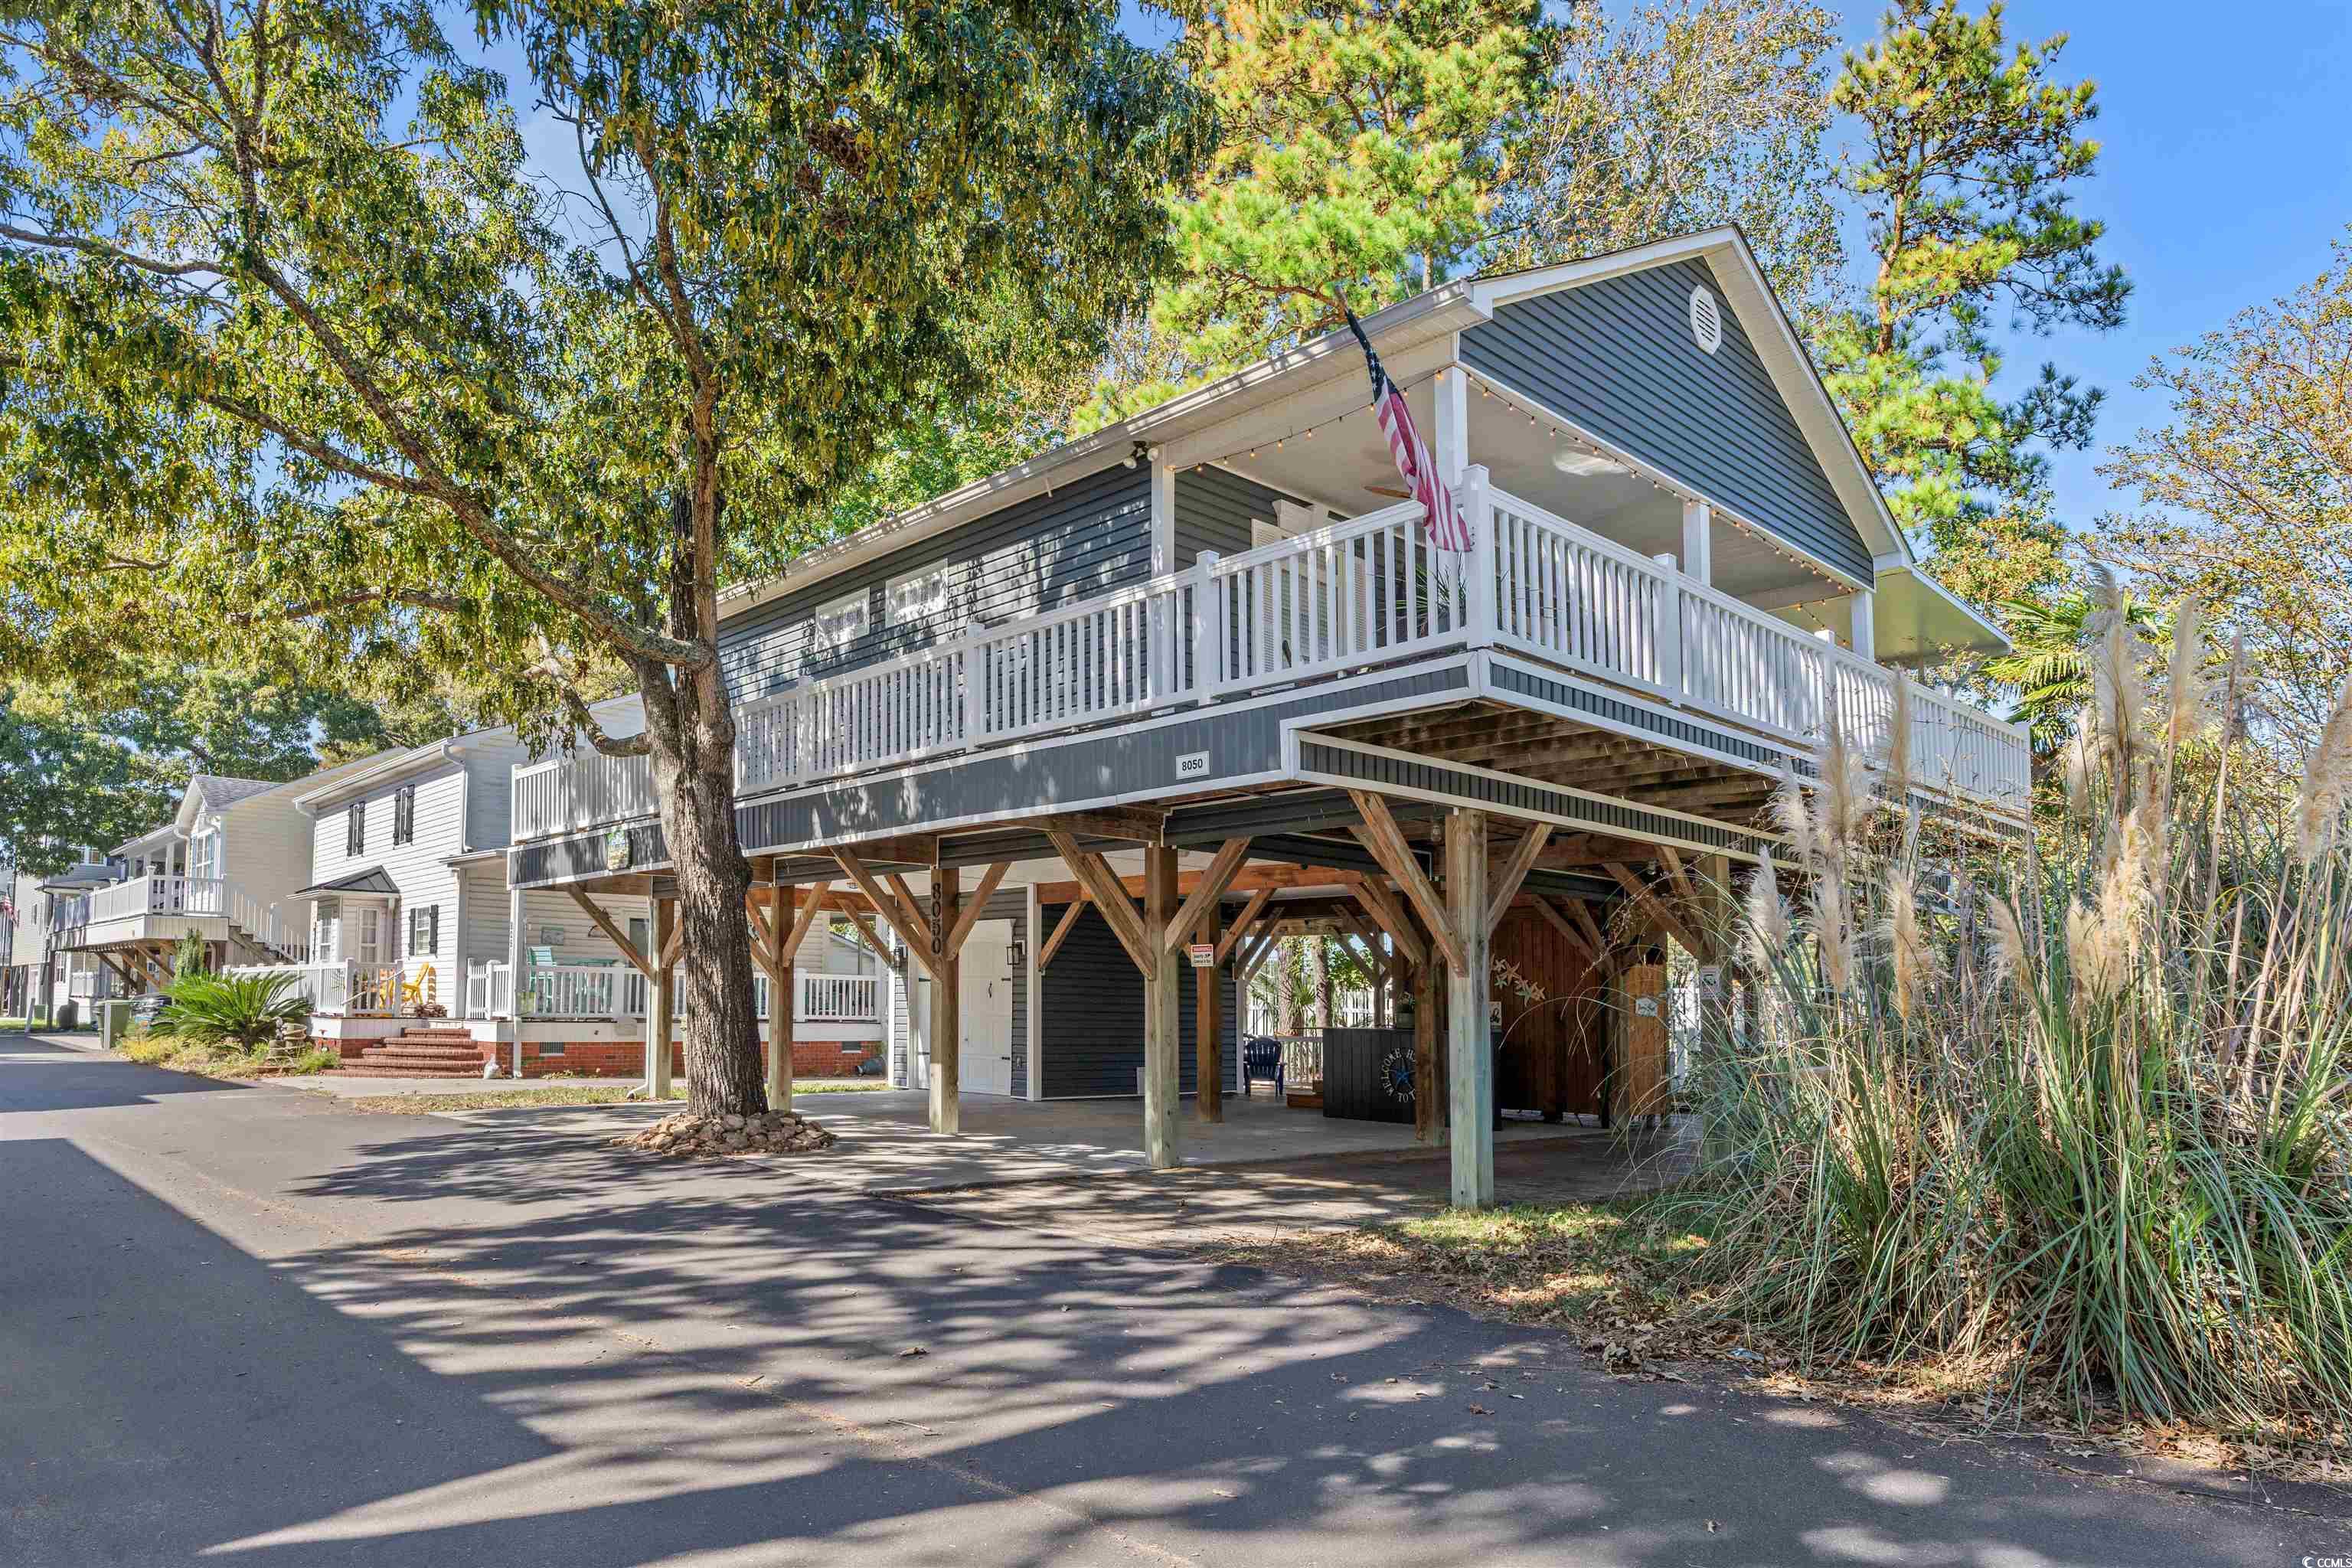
{"x":554,"y":1094}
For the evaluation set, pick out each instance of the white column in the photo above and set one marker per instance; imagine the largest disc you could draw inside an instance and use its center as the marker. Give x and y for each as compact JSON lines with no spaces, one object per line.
{"x":658,"y":1014}
{"x":1864,"y":628}
{"x":514,"y":970}
{"x":1452,"y":391}
{"x":1480,"y":607}
{"x":1163,"y":515}
{"x":1698,"y":541}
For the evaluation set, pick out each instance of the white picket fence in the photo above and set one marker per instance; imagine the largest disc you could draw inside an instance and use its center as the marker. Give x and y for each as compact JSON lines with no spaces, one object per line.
{"x":1365,"y":591}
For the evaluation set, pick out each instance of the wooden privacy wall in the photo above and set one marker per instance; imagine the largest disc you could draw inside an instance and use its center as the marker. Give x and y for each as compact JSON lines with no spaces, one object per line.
{"x":1552,"y":1056}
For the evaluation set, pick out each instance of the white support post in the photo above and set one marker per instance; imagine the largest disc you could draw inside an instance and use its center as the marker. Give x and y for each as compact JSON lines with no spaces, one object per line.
{"x":1478,"y":511}
{"x":515,"y":935}
{"x":1451,"y":392}
{"x":1670,"y":631}
{"x":1864,"y":628}
{"x":1699,"y":542}
{"x":1161,"y":657}
{"x":658,"y":1010}
{"x":1208,"y":629}
{"x":974,"y":709}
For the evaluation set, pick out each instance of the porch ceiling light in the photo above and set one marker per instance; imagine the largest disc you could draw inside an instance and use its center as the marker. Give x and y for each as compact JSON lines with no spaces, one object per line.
{"x":1587,"y":464}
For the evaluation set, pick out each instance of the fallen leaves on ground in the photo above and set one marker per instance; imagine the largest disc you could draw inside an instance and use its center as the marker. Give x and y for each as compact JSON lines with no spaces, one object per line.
{"x":1613,"y":1275}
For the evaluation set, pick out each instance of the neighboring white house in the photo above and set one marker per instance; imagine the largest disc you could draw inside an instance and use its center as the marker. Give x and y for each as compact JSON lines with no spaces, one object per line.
{"x":226,"y":868}
{"x":34,"y":977}
{"x":410,"y":918}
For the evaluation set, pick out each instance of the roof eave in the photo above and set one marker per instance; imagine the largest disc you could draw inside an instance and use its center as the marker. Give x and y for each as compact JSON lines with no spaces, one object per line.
{"x":317,"y":800}
{"x":1439,"y":311}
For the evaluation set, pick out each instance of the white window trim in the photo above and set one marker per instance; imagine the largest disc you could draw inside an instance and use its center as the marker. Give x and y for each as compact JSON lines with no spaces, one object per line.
{"x":826,"y":623}
{"x":897,"y":609}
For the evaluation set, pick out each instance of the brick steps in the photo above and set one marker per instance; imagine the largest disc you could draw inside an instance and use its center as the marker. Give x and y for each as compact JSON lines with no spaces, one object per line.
{"x":421,"y":1052}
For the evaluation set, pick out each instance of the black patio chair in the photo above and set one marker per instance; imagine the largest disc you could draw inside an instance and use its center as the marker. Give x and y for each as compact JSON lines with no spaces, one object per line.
{"x":1261,"y":1059}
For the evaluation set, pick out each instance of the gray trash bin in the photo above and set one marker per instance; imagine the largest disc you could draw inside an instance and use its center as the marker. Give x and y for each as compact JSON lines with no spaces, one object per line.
{"x":113,"y":1023}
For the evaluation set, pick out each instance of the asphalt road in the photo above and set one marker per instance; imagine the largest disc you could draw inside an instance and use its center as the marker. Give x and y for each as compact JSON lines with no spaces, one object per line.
{"x":247,"y":1326}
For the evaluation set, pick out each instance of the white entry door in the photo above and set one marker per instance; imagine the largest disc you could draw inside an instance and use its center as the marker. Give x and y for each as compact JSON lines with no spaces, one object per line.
{"x":986,"y":1053}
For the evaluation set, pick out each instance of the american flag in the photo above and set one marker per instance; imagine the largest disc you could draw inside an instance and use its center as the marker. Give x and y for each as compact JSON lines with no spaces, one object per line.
{"x":1441,"y":518}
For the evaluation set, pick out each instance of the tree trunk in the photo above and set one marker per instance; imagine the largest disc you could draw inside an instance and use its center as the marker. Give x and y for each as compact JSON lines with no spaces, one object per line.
{"x":1319,"y":976}
{"x":692,"y":736}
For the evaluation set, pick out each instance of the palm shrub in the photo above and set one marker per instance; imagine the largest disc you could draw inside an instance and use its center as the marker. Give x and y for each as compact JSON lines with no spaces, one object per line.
{"x":2086,"y":1132}
{"x":193,"y":956}
{"x":244,"y":1010}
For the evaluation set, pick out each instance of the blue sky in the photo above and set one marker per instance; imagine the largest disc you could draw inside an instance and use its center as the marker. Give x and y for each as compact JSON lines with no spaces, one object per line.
{"x":2227,"y":174}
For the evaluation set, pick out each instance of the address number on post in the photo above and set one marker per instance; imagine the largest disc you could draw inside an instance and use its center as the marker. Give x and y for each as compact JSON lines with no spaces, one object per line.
{"x":1193,"y":765}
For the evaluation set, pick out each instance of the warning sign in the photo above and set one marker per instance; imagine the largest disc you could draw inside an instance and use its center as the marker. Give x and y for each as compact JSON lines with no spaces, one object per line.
{"x":1205,"y":955}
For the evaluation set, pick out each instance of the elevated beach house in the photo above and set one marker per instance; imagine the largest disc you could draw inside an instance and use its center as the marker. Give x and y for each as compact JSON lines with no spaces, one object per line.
{"x":224,"y":869}
{"x":1075,"y":742}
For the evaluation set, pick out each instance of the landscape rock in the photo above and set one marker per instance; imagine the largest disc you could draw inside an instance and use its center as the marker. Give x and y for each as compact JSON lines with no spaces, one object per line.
{"x":682,"y":1135}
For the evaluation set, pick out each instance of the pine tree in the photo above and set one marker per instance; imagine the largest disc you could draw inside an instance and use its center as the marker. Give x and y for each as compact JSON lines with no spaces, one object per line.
{"x":1364,"y":144}
{"x":1971,"y":149}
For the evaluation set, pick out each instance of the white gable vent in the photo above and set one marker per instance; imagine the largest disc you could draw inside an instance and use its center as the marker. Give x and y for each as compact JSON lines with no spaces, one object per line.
{"x":1706,"y":319}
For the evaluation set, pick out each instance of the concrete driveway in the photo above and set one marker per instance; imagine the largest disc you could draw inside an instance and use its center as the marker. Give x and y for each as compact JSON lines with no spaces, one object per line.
{"x":248,"y":1325}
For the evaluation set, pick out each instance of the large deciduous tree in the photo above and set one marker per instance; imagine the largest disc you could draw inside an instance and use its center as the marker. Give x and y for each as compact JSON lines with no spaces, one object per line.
{"x":298,"y":351}
{"x":2246,"y":496}
{"x":1969,"y":154}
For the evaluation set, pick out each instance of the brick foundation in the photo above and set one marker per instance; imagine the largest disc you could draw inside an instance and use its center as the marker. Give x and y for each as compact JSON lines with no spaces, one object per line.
{"x":627,"y":1058}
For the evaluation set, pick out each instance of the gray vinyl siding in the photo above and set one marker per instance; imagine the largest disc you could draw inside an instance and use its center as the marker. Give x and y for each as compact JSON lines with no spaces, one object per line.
{"x":1091,"y":1041}
{"x":902,"y":1034}
{"x":1087,"y":538}
{"x":1617,"y":357}
{"x":1214,"y":509}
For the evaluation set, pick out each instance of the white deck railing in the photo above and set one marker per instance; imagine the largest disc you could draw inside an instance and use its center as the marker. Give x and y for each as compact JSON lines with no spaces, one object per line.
{"x":840,"y":999}
{"x":158,"y":896}
{"x":347,"y":989}
{"x":575,"y":991}
{"x":1360,"y":592}
{"x":143,"y":898}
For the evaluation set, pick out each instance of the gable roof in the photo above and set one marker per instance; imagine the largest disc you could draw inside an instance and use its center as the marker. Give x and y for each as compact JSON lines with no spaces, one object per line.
{"x":374,"y":879}
{"x":217,"y":790}
{"x":1441,"y":312}
{"x":1727,"y":251}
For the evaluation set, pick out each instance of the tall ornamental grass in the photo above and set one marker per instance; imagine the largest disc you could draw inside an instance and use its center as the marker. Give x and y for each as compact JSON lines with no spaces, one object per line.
{"x":2080,"y":1127}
